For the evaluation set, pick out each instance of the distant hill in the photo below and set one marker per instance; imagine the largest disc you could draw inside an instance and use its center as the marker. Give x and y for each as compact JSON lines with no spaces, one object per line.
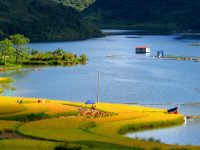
{"x":144,"y":14}
{"x":44,"y":19}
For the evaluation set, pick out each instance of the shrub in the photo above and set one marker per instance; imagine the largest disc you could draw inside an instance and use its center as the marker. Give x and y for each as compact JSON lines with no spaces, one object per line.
{"x":31,"y":117}
{"x":39,"y":56}
{"x":8,"y":131}
{"x":66,"y":146}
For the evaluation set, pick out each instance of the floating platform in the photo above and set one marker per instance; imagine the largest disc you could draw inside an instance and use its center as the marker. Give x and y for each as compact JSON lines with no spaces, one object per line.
{"x":175,"y":57}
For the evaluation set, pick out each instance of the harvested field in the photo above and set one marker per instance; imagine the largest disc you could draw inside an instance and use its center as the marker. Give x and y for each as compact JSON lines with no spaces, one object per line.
{"x":93,"y":113}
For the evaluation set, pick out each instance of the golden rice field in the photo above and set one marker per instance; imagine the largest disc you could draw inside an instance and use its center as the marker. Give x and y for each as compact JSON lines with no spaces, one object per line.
{"x":83,"y":128}
{"x":8,"y":106}
{"x":57,"y":108}
{"x":18,"y":144}
{"x":8,"y":125}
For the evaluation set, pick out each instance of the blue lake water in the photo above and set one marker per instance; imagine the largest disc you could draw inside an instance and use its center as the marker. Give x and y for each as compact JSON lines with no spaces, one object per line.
{"x":126,"y":78}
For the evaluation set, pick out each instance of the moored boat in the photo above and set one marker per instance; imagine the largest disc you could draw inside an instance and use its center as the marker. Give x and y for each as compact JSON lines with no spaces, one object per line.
{"x":173,"y":110}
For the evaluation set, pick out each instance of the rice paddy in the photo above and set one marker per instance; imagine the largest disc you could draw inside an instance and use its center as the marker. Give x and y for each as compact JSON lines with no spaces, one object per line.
{"x":87,"y":131}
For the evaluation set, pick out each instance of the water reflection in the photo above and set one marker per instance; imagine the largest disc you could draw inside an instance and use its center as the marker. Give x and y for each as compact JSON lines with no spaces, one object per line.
{"x":185,"y":134}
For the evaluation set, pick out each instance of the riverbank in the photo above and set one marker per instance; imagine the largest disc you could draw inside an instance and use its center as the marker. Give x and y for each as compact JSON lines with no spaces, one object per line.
{"x":8,"y":68}
{"x":59,"y":122}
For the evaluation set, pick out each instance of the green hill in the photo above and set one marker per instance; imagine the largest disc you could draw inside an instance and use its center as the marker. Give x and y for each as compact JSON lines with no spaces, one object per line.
{"x":144,"y":14}
{"x":44,"y":19}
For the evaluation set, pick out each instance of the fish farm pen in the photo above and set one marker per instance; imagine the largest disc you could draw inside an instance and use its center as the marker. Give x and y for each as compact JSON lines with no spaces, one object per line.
{"x":175,"y":57}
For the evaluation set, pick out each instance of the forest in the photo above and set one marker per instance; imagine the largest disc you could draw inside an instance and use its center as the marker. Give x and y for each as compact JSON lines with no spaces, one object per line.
{"x":44,"y":19}
{"x":144,"y":14}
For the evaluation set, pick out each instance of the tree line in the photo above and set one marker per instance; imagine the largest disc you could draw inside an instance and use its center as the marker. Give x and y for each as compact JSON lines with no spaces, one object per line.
{"x":44,"y":19}
{"x":15,"y":51}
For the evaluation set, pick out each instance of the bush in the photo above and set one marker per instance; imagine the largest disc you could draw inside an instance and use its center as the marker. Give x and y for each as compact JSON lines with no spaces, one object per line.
{"x":66,"y":146}
{"x":39,"y":56}
{"x":31,"y":117}
{"x":8,"y":131}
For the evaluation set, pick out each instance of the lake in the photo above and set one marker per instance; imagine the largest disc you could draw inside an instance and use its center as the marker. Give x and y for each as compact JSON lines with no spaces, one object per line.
{"x":124,"y":78}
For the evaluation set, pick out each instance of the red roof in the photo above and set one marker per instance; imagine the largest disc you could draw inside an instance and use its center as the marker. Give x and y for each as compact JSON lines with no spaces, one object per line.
{"x":142,"y":47}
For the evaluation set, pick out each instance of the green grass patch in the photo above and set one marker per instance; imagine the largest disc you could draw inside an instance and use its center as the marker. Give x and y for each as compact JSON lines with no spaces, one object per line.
{"x":40,"y":116}
{"x":87,"y":126}
{"x":65,"y":114}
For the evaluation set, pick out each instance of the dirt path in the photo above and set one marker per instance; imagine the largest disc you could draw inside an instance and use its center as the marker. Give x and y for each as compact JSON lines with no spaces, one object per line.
{"x":13,"y":136}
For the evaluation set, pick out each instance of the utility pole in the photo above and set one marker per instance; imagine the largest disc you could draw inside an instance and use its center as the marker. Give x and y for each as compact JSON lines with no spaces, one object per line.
{"x":98,"y":89}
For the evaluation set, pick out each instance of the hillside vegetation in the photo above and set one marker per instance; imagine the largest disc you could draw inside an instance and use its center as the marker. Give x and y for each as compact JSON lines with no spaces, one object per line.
{"x":145,"y":14}
{"x":77,"y":4}
{"x":44,"y":19}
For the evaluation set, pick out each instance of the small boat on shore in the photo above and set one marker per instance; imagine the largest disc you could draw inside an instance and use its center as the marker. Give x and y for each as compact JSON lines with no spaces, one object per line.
{"x":173,"y":110}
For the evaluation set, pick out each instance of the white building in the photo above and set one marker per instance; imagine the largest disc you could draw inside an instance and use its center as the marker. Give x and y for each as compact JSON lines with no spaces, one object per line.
{"x":142,"y":50}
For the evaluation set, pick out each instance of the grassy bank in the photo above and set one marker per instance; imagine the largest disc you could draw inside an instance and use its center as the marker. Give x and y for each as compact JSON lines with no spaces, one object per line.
{"x":49,"y":123}
{"x":9,"y":67}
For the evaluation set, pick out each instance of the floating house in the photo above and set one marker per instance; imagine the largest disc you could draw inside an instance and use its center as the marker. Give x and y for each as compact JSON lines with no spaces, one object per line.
{"x":142,"y":50}
{"x":160,"y":53}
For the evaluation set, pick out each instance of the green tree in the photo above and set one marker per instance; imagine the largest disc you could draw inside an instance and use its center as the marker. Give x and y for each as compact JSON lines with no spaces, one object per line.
{"x":6,"y":48}
{"x":83,"y":58}
{"x":33,"y":52}
{"x":58,"y":51}
{"x":20,"y":44}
